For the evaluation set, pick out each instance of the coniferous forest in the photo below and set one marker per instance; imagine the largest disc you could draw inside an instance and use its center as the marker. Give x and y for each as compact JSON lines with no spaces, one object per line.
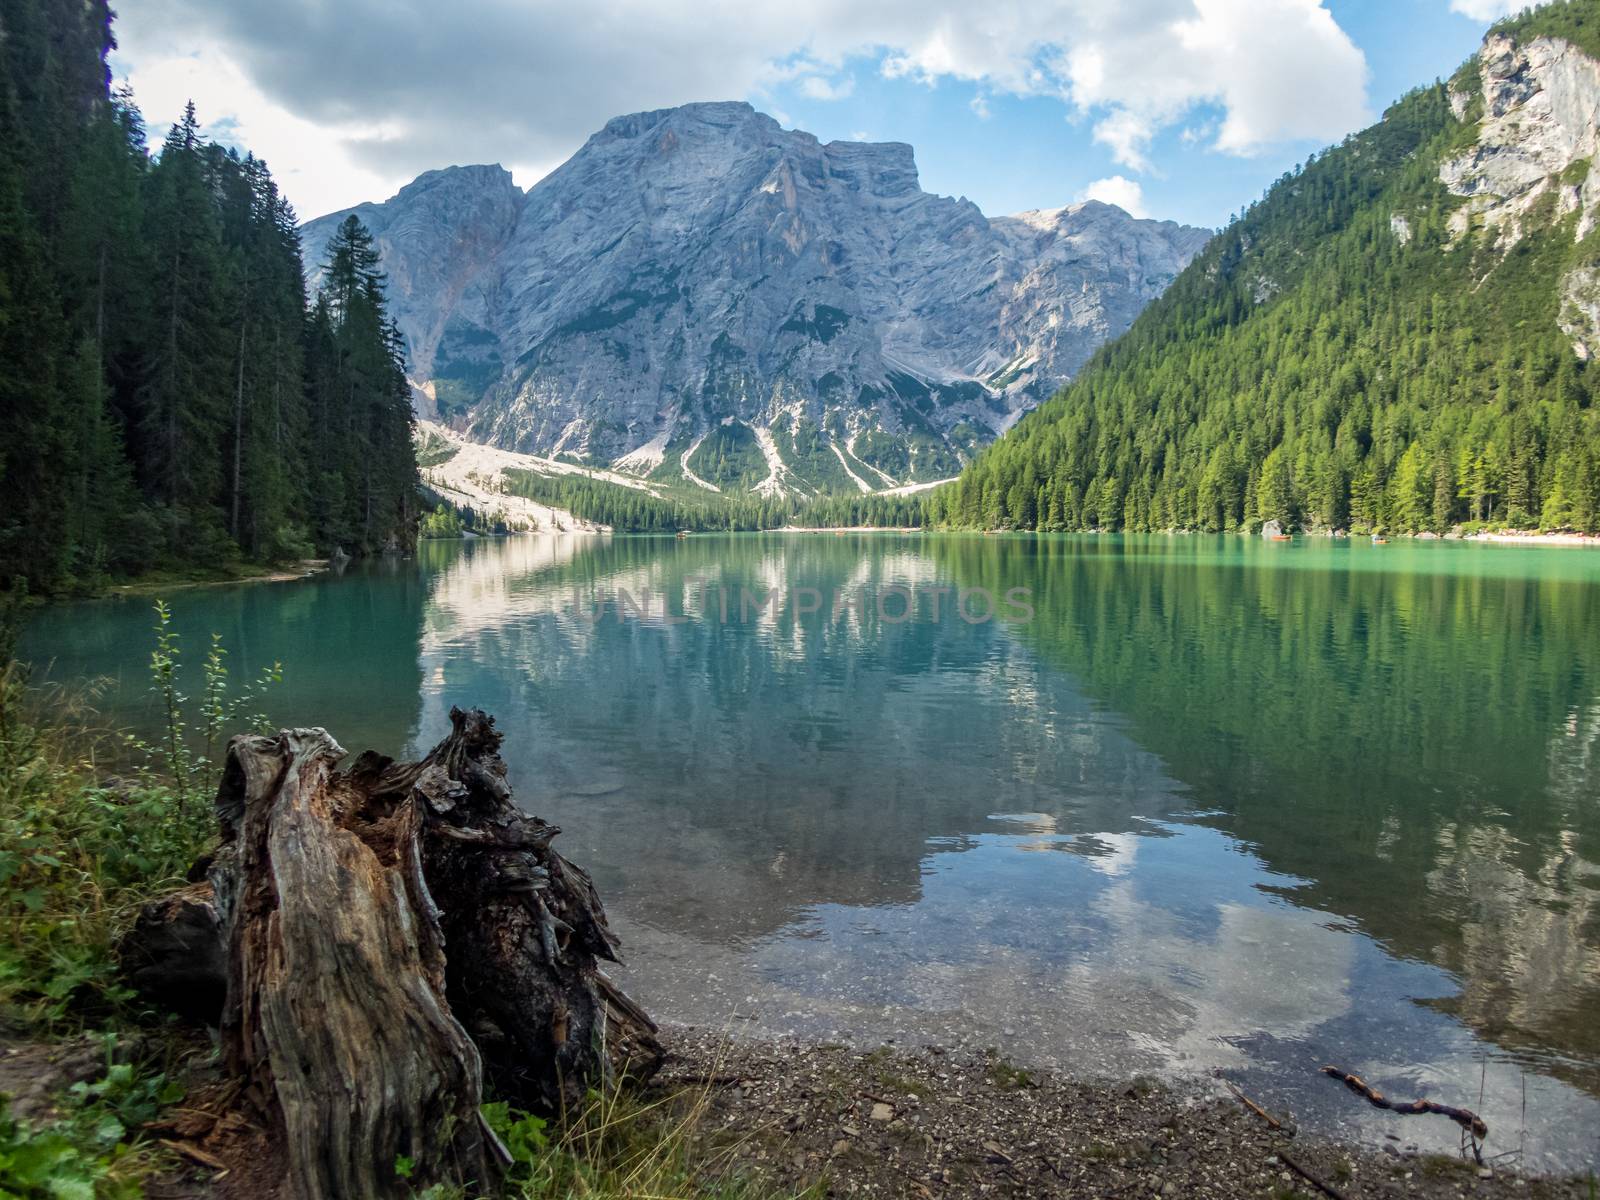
{"x":1338,"y":357}
{"x":172,"y":398}
{"x":630,"y":510}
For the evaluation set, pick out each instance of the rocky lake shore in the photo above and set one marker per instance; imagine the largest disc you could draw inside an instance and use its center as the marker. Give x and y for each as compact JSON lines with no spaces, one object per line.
{"x":794,"y":1117}
{"x":931,"y":1122}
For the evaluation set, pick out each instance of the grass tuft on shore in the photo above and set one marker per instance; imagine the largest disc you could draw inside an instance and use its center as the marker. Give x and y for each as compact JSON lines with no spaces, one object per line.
{"x":623,"y":1144}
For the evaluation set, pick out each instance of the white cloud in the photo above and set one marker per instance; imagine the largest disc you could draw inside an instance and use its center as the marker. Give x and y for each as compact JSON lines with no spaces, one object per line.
{"x":980,"y":106}
{"x":1487,"y":10}
{"x":1286,"y":70}
{"x":1127,"y":133}
{"x":1125,"y":193}
{"x":815,"y":87}
{"x":299,"y":152}
{"x":352,"y":99}
{"x":1279,"y":70}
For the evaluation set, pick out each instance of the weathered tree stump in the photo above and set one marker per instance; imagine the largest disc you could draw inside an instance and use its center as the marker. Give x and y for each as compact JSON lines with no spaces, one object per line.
{"x":382,"y":934}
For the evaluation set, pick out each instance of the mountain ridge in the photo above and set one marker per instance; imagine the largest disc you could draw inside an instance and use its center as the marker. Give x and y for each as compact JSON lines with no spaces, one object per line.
{"x":699,"y":293}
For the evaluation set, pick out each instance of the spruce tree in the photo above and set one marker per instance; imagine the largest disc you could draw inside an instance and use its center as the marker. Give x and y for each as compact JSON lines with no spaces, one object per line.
{"x":158,"y":365}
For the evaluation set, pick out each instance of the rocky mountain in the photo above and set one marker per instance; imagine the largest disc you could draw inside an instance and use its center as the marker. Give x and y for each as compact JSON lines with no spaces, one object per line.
{"x":1537,"y":102}
{"x":1399,"y":336}
{"x":701,"y":294}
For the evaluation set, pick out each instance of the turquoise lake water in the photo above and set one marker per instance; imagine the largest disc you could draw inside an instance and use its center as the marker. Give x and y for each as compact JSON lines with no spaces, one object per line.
{"x":1217,"y":803}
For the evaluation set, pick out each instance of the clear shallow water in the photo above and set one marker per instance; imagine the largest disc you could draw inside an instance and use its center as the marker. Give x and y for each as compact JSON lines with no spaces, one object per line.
{"x":1220,"y":803}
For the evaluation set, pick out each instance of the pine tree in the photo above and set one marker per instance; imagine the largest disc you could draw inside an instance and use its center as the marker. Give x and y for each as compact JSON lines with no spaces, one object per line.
{"x":184,"y":398}
{"x":157,"y":362}
{"x":360,"y":392}
{"x":1274,"y":493}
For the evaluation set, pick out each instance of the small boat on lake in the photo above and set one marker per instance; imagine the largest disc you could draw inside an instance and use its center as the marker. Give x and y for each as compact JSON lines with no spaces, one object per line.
{"x":1379,"y":540}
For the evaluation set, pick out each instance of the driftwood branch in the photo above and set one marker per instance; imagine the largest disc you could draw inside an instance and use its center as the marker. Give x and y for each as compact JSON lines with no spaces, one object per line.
{"x":374,"y":944}
{"x":1239,"y":1095}
{"x":1466,"y":1118}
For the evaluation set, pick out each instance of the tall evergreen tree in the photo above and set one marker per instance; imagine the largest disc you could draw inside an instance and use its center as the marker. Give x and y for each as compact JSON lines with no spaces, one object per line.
{"x":158,"y":365}
{"x":184,"y":396}
{"x":360,"y":400}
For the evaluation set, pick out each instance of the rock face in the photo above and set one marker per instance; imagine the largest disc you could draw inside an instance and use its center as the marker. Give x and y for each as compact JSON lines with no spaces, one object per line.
{"x":1580,"y":309}
{"x":701,"y":294}
{"x":1538,"y":135}
{"x":440,"y":236}
{"x":1535,"y":159}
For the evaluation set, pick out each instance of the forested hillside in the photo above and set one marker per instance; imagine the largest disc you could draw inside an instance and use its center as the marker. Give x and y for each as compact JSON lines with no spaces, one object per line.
{"x":169,"y":397}
{"x":1345,"y":355}
{"x":630,"y":510}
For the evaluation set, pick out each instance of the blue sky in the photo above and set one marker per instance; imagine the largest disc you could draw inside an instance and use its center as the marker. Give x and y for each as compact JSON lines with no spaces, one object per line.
{"x":1030,"y":153}
{"x":1180,"y":109}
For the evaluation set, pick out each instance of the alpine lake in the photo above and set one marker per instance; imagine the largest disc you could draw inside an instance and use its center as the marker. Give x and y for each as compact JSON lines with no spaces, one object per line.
{"x":1117,"y":806}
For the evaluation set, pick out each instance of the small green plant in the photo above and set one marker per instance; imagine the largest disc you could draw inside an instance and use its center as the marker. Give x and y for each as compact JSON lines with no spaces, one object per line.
{"x":174,"y":753}
{"x":76,"y":858}
{"x":618,"y":1145}
{"x":125,"y":1093}
{"x":52,"y":1164}
{"x":881,"y":1063}
{"x":523,"y":1133}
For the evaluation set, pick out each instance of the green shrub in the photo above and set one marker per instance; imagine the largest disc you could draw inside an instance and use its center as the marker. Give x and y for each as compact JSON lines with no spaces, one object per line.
{"x":174,"y":754}
{"x":80,"y":854}
{"x":618,"y":1145}
{"x":76,"y":858}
